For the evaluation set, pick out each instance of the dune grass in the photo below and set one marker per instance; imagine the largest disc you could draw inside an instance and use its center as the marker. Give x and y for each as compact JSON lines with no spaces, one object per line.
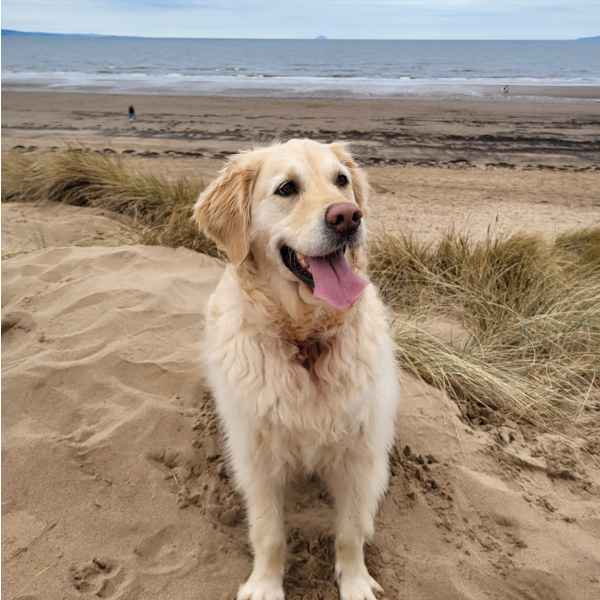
{"x":528,"y":313}
{"x":160,"y":206}
{"x":527,"y":310}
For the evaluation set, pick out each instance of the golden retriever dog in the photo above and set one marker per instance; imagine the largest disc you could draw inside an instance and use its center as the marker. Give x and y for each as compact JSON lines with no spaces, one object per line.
{"x":297,"y":349}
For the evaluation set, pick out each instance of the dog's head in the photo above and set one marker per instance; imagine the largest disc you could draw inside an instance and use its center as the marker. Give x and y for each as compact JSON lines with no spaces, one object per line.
{"x":296,"y":210}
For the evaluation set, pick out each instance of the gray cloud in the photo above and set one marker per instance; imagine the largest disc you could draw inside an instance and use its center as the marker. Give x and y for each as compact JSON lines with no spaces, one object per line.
{"x":398,"y":19}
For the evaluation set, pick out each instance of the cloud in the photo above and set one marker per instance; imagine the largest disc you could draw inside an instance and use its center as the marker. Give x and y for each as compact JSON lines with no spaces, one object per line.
{"x":167,"y":4}
{"x":336,"y":18}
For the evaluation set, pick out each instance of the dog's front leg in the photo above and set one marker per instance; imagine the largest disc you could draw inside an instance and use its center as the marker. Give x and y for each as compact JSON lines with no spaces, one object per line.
{"x":265,"y":505}
{"x":357,"y":485}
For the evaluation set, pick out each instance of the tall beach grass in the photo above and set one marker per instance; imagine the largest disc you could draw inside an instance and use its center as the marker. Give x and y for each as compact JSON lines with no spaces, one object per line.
{"x":159,"y":205}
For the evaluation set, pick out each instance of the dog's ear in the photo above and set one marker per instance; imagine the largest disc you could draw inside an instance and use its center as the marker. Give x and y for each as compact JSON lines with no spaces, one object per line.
{"x":223,"y":210}
{"x":360,"y":184}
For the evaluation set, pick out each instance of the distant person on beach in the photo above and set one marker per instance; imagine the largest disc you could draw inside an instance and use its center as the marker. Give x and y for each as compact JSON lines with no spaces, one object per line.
{"x":131,"y":113}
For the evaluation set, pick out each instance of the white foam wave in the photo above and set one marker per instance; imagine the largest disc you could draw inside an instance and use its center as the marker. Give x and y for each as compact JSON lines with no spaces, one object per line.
{"x":255,"y":84}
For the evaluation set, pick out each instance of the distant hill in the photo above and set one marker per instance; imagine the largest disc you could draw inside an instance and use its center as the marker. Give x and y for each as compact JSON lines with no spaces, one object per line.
{"x":11,"y":32}
{"x":15,"y":32}
{"x":594,"y":38}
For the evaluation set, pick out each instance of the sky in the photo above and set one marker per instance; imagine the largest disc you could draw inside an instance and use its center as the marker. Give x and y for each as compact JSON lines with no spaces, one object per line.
{"x":371,"y":19}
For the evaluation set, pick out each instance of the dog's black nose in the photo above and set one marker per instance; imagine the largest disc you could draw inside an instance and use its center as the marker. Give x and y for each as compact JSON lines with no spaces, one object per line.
{"x":343,"y":217}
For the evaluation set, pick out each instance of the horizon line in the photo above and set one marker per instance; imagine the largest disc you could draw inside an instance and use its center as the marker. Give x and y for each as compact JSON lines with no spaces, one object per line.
{"x":315,"y":38}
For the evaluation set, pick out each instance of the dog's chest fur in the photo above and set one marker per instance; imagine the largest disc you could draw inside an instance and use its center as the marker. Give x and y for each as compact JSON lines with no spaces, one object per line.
{"x":301,"y":396}
{"x":319,"y":399}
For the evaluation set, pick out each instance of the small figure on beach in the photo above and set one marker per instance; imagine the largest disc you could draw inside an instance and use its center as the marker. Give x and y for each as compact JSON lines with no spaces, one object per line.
{"x":132,"y":113}
{"x":505,"y":90}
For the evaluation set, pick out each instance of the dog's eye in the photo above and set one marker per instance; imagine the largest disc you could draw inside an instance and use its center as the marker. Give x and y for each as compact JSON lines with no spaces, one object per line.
{"x":341,"y":180}
{"x":288,"y":188}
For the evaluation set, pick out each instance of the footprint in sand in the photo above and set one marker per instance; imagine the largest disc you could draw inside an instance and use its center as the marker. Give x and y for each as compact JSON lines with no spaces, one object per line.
{"x":161,"y":554}
{"x":102,"y":577}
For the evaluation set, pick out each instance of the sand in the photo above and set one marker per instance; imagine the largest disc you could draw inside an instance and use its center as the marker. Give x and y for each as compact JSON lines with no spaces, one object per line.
{"x":511,"y":163}
{"x":505,"y":132}
{"x":27,"y":227}
{"x":114,"y":482}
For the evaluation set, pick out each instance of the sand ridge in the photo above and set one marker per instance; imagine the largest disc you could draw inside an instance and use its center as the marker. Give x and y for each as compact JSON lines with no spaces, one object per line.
{"x":116,"y":486}
{"x":27,"y":227}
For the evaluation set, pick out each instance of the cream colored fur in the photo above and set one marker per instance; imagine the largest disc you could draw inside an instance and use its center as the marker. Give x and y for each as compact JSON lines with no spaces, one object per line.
{"x":335,"y":418}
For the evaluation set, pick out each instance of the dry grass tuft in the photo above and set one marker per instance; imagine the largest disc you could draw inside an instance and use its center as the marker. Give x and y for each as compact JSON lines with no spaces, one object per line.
{"x":84,"y":178}
{"x":583,"y":245}
{"x":529,"y":313}
{"x":528,"y":310}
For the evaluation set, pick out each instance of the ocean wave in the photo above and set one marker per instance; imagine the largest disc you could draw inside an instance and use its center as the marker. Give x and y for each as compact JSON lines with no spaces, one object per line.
{"x":271,"y":84}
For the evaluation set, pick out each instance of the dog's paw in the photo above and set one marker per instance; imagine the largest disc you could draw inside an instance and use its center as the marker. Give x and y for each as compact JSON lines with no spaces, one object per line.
{"x":358,"y":586}
{"x":265,"y":588}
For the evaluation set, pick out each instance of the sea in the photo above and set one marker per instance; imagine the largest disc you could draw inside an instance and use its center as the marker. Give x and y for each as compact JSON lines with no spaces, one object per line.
{"x":311,"y":68}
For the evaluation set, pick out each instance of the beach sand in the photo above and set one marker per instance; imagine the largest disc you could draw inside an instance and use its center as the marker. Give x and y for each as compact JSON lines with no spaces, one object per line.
{"x":114,"y":480}
{"x":511,"y":164}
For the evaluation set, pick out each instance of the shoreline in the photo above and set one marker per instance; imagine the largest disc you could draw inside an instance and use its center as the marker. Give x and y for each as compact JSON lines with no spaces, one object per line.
{"x":330,"y":89}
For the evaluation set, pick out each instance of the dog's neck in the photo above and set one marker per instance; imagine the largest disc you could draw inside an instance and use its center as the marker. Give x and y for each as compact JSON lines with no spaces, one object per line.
{"x":308,"y":352}
{"x":280,"y":311}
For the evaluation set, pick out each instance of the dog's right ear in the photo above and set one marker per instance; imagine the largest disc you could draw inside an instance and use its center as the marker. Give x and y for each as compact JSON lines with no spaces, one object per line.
{"x":223,"y":210}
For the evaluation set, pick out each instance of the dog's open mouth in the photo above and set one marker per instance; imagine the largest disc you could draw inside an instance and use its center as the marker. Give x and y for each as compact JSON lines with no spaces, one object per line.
{"x":297,"y":264}
{"x":330,"y":277}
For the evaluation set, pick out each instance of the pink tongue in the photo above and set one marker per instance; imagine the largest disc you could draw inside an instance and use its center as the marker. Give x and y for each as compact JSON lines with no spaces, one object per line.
{"x":335,"y":282}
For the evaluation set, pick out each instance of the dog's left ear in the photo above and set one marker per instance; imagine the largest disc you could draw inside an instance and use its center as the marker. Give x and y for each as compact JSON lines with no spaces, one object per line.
{"x":223,"y":210}
{"x":360,"y":184}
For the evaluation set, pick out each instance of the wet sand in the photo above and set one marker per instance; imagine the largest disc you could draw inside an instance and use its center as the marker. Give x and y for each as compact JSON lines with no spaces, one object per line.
{"x":506,"y":132}
{"x":507,"y":163}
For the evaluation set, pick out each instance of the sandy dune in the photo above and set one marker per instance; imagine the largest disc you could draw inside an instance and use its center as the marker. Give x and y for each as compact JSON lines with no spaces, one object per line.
{"x":115,"y":486}
{"x":27,"y":227}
